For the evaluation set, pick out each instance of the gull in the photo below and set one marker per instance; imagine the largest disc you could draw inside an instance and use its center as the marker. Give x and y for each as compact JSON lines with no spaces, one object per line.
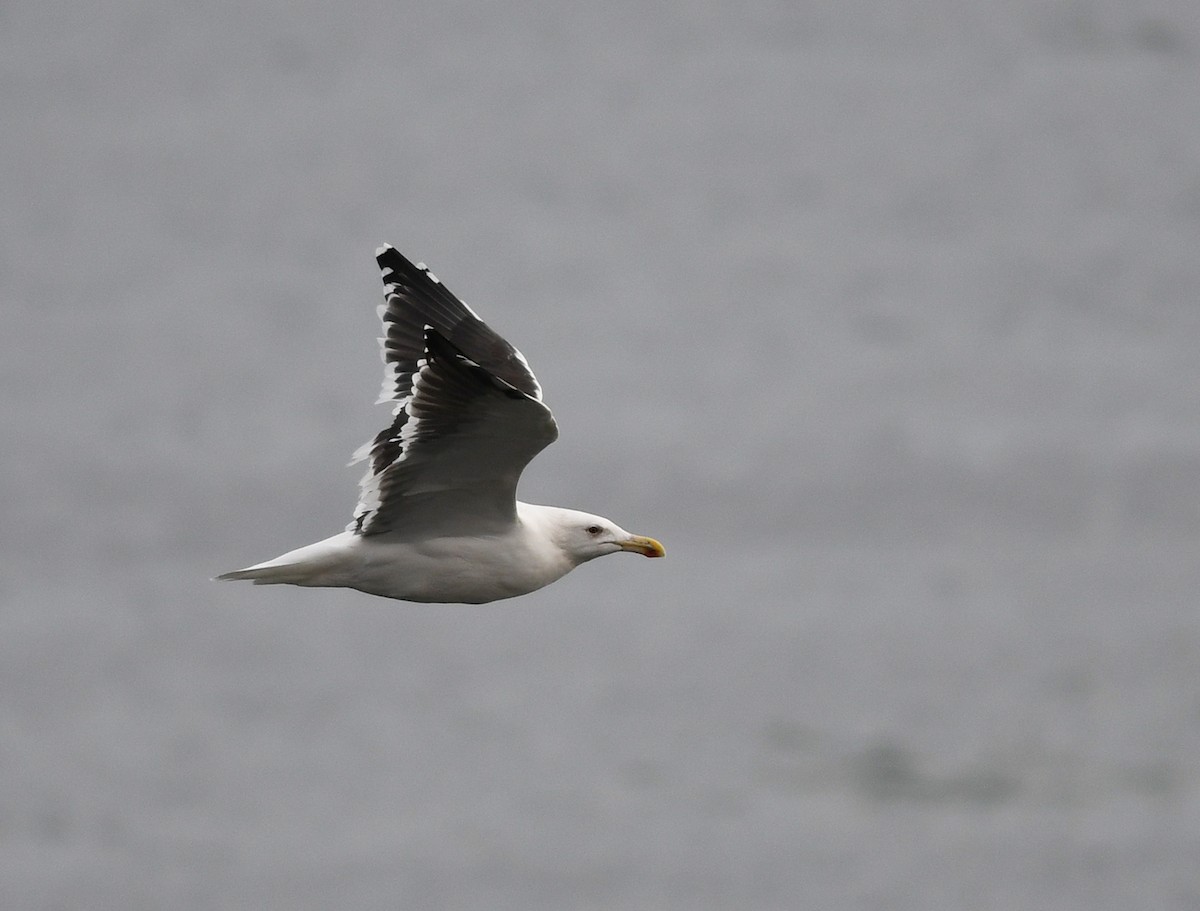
{"x":438,"y":519}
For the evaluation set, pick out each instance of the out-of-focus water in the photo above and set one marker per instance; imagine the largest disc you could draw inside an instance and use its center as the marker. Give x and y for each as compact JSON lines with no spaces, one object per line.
{"x":883,"y":318}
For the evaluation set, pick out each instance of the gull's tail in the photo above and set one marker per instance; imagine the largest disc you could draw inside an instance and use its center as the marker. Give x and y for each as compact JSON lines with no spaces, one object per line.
{"x":269,"y":573}
{"x":319,"y":564}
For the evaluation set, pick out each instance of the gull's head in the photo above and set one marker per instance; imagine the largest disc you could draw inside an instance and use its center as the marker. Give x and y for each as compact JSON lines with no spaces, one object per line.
{"x":584,"y":537}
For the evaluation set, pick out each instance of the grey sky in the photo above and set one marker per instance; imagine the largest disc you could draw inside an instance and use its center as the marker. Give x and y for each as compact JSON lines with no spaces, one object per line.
{"x":882,"y":317}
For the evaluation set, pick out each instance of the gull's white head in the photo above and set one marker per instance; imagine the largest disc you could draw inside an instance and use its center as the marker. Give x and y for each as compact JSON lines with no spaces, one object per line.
{"x":583,"y":536}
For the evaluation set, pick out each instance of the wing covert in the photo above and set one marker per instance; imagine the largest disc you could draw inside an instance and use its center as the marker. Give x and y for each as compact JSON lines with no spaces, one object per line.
{"x":453,"y":454}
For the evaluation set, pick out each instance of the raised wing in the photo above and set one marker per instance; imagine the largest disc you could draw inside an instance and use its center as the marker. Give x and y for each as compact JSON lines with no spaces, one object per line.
{"x":414,"y":299}
{"x":468,"y":416}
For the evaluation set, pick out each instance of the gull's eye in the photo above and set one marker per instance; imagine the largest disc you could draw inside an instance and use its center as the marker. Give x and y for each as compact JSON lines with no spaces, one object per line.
{"x":593,"y":529}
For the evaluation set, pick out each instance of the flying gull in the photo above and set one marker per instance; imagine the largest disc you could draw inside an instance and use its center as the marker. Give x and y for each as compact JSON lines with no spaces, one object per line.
{"x":438,"y":518}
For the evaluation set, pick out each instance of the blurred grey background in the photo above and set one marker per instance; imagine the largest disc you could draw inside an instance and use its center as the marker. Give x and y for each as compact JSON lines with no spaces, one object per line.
{"x":884,"y":317}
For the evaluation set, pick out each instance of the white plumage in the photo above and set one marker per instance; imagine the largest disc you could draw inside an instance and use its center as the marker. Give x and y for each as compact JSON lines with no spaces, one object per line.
{"x":437,"y":517}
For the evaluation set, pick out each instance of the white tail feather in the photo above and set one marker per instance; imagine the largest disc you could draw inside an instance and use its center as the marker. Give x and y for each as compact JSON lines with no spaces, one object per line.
{"x":319,"y":564}
{"x":267,"y":574}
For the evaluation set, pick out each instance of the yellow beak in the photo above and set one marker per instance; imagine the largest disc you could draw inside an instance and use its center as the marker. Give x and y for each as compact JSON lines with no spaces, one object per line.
{"x":647,"y":547}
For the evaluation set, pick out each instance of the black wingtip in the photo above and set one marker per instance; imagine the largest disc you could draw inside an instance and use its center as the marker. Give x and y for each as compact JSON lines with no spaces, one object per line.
{"x":391,"y":260}
{"x":394,"y":266}
{"x":416,"y":297}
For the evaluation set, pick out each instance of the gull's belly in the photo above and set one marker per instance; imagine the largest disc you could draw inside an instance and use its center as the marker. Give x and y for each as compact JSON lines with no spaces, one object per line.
{"x":449,"y":570}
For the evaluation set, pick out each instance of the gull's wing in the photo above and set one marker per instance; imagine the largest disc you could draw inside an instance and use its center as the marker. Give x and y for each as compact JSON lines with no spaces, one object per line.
{"x":468,"y":416}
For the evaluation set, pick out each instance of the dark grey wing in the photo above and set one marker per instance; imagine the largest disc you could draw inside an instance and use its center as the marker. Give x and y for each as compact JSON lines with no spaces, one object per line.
{"x":464,"y":427}
{"x":414,"y":299}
